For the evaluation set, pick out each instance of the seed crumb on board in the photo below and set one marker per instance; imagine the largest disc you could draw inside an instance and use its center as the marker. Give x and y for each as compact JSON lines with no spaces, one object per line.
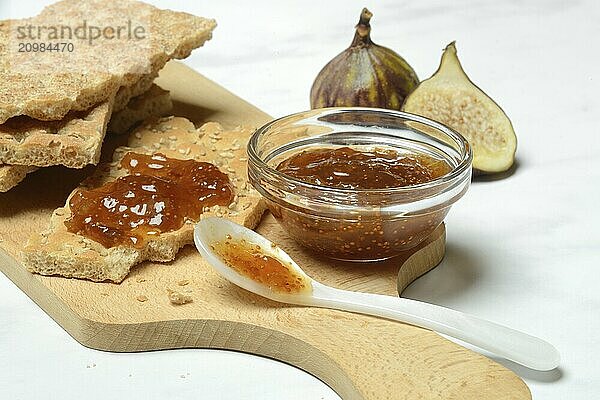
{"x":142,"y":298}
{"x":178,"y":298}
{"x":183,"y":282}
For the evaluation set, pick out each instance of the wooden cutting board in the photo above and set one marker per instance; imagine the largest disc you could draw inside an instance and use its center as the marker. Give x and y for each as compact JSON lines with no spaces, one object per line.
{"x":360,"y":357}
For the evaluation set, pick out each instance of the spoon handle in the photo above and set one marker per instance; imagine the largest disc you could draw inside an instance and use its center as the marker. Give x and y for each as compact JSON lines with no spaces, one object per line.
{"x":511,"y":344}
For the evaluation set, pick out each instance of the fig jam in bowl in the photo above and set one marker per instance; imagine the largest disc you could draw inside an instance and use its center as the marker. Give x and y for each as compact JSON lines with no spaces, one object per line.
{"x":359,"y":184}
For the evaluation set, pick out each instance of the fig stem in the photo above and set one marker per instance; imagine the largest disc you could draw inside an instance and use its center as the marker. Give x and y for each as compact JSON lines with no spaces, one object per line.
{"x":362,"y":36}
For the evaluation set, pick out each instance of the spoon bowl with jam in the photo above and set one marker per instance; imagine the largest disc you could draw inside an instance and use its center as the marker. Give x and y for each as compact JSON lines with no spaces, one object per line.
{"x":359,"y":184}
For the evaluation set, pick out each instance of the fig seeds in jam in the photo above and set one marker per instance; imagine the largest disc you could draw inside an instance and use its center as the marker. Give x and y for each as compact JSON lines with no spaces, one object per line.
{"x":346,"y":168}
{"x":251,"y":261}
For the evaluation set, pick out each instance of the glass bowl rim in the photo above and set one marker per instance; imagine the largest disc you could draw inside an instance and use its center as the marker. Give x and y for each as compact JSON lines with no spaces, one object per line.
{"x":456,"y":172}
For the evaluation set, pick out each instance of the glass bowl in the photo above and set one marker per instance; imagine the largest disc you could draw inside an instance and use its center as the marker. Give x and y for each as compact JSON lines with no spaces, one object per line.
{"x":357,"y":224}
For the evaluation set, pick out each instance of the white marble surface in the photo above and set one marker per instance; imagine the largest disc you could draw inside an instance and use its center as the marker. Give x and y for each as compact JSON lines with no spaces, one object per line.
{"x":523,"y":251}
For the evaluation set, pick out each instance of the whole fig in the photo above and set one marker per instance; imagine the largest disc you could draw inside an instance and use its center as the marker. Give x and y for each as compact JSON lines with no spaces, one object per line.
{"x":365,"y":74}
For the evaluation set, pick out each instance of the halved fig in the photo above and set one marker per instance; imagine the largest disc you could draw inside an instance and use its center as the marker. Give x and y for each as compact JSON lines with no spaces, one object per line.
{"x":451,"y":98}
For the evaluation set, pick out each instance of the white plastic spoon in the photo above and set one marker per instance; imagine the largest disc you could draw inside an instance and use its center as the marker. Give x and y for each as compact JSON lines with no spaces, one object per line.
{"x":511,"y":344}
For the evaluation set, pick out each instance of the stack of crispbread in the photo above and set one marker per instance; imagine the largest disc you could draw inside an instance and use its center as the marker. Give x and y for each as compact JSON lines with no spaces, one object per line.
{"x":55,"y":109}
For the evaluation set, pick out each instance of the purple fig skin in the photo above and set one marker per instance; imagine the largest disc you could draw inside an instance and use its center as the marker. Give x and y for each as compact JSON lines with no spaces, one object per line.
{"x":364,"y":75}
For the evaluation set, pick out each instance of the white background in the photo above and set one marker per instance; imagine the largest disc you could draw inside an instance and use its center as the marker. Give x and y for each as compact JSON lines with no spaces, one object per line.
{"x":523,"y":251}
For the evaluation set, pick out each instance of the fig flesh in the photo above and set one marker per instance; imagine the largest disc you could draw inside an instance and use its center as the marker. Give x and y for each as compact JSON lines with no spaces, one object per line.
{"x":365,"y":74}
{"x":451,"y":98}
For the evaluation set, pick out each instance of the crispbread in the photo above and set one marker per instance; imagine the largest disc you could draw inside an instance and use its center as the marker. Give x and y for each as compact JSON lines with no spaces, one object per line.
{"x":57,"y":251}
{"x":11,"y":175}
{"x":127,"y":93}
{"x":154,"y":103}
{"x":75,"y":81}
{"x":23,"y":139}
{"x":75,"y":141}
